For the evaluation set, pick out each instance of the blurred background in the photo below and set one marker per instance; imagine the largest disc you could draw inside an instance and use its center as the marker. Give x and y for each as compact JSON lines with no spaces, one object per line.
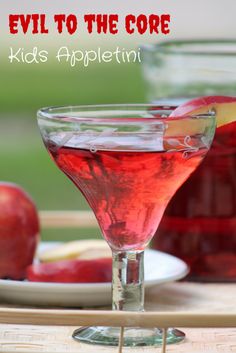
{"x":27,"y":87}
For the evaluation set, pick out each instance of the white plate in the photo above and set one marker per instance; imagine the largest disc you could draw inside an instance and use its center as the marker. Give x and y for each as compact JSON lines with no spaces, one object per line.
{"x":159,"y":268}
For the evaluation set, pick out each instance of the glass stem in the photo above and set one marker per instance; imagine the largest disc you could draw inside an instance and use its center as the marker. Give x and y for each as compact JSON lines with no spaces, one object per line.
{"x":128,"y":280}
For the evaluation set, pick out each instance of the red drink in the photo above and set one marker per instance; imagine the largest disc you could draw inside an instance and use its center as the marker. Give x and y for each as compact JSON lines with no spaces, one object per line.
{"x":127,"y":190}
{"x":199,"y":224}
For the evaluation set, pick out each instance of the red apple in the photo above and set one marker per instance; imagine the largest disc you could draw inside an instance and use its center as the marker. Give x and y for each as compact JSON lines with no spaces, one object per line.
{"x":225,"y":108}
{"x":19,"y":231}
{"x":72,"y":271}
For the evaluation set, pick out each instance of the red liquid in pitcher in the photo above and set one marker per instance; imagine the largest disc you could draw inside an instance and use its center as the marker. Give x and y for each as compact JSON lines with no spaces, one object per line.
{"x":127,"y":190}
{"x":199,"y":224}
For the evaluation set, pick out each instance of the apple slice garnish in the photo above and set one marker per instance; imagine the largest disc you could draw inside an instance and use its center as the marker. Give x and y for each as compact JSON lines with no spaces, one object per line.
{"x":223,"y":106}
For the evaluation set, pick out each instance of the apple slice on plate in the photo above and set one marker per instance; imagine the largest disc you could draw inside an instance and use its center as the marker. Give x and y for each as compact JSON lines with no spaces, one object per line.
{"x":223,"y":106}
{"x":72,"y":271}
{"x":78,"y":249}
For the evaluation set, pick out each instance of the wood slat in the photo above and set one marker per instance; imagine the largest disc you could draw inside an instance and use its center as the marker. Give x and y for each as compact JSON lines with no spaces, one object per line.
{"x":67,"y":219}
{"x":109,"y":318}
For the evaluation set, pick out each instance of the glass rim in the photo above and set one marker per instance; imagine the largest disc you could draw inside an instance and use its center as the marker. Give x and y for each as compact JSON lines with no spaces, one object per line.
{"x":50,"y":113}
{"x":169,"y":47}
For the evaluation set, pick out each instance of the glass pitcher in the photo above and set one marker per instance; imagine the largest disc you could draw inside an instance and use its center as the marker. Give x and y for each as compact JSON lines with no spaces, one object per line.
{"x":199,"y":224}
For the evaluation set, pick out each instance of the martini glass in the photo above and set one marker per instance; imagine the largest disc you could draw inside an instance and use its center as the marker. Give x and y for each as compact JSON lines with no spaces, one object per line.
{"x":128,"y":161}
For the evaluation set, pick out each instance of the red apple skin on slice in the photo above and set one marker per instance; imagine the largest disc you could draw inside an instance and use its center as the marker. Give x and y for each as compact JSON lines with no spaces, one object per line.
{"x":224,"y":106}
{"x":72,"y":271}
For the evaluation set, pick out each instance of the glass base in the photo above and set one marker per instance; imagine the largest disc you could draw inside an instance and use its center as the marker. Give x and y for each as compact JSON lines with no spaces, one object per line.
{"x":133,"y":337}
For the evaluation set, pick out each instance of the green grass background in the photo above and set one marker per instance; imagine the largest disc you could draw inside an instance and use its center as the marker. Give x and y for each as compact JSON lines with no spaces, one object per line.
{"x":23,"y":158}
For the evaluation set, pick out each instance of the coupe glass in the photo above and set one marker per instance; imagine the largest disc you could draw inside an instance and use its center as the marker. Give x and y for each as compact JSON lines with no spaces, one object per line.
{"x":128,"y":161}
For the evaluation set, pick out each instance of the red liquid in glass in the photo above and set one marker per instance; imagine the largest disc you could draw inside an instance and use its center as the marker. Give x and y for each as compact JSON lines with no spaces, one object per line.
{"x":127,"y":190}
{"x":199,"y":224}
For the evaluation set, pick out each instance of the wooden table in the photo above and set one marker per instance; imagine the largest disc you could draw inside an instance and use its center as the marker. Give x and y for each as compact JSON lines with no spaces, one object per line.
{"x":173,"y":297}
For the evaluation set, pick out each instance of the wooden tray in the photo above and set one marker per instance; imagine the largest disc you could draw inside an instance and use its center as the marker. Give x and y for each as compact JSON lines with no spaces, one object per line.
{"x":181,"y":304}
{"x":202,"y":309}
{"x":35,"y":339}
